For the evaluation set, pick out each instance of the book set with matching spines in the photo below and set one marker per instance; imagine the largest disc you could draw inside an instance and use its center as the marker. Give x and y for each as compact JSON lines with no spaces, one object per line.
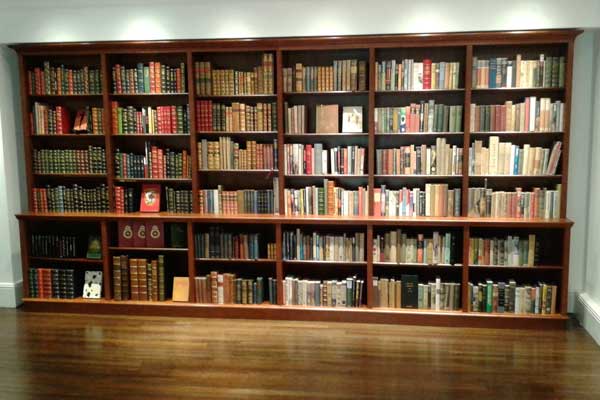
{"x":126,"y":199}
{"x":328,"y":293}
{"x":52,"y":283}
{"x":159,"y":120}
{"x":179,"y":200}
{"x":75,"y":198}
{"x":509,"y":297}
{"x":62,"y":80}
{"x":502,"y":72}
{"x":436,"y":200}
{"x":408,"y":74}
{"x":156,"y":162}
{"x":540,"y":203}
{"x":70,"y":161}
{"x":348,"y":75}
{"x":408,"y":292}
{"x":237,"y":117}
{"x":56,"y":246}
{"x":422,"y":117}
{"x":327,"y":199}
{"x":243,"y":201}
{"x":152,"y":77}
{"x":227,"y":154}
{"x":316,"y":246}
{"x":138,"y":278}
{"x":213,"y":81}
{"x":219,"y":243}
{"x":228,"y":288}
{"x":441,"y":158}
{"x":395,"y":246}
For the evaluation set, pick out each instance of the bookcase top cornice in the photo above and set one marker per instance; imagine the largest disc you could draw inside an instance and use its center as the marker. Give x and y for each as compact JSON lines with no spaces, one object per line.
{"x":299,"y":43}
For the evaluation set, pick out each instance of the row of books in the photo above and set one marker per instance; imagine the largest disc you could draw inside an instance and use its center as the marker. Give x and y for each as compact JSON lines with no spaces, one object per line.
{"x":532,"y":115}
{"x":226,"y":154}
{"x":501,"y":72}
{"x":508,"y":297}
{"x":326,"y":200}
{"x":62,"y":80}
{"x":154,"y":163}
{"x":227,"y":288}
{"x":438,"y":159}
{"x":435,"y":201}
{"x":138,"y":278}
{"x":400,"y":247}
{"x":151,"y":234}
{"x":407,"y":292}
{"x":505,"y":158}
{"x":538,"y":203}
{"x":238,"y":117}
{"x":49,"y":245}
{"x":126,"y":199}
{"x":228,"y":82}
{"x":178,"y":200}
{"x":153,"y":77}
{"x":70,"y":199}
{"x":326,"y":119}
{"x":47,"y":283}
{"x":219,"y":243}
{"x":45,"y":120}
{"x":410,"y":75}
{"x":70,"y":161}
{"x":157,"y":120}
{"x":247,"y":201}
{"x":316,"y":246}
{"x":511,"y":251}
{"x":312,"y":159}
{"x":327,"y":293}
{"x":419,"y":117}
{"x":343,"y":75}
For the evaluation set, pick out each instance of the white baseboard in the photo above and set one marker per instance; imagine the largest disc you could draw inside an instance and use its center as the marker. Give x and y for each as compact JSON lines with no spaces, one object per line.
{"x":11,"y":294}
{"x":572,"y":302}
{"x":588,"y":314}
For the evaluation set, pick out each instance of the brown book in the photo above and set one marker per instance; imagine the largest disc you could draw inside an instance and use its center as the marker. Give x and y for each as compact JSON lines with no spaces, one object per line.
{"x":327,"y":118}
{"x":181,"y":288}
{"x":214,"y":294}
{"x":154,"y":280}
{"x":133,"y":279}
{"x":117,"y":294}
{"x":142,"y":274}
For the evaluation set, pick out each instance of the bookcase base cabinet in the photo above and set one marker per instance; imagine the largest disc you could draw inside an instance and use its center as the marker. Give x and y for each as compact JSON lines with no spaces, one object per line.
{"x":299,"y":313}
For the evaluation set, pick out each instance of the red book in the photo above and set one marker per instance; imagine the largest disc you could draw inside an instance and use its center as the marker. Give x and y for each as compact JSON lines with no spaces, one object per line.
{"x":173,"y":122}
{"x":150,"y":198}
{"x":125,"y":233}
{"x":426,"y":73}
{"x":115,"y":122}
{"x":139,"y":236}
{"x":155,"y":234}
{"x":152,"y":76}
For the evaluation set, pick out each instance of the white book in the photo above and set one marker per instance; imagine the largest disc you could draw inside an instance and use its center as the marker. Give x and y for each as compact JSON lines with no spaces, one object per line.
{"x":417,"y":76}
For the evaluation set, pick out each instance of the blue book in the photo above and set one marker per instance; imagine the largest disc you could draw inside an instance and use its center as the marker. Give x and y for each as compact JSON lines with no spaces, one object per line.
{"x":493,"y":71}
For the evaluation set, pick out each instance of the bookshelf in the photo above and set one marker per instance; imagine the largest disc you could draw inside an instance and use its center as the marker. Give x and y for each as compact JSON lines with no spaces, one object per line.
{"x":245,"y":55}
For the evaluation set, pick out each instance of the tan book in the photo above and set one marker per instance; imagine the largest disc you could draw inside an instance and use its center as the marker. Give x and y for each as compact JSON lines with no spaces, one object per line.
{"x":181,"y":288}
{"x":327,"y":118}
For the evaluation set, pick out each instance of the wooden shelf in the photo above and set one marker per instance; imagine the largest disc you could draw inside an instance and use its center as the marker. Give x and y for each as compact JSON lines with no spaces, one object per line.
{"x":69,"y":136}
{"x":35,"y":259}
{"x":236,"y":260}
{"x":150,"y":135}
{"x":308,"y":51}
{"x":257,"y":171}
{"x":151,"y":249}
{"x":42,"y":96}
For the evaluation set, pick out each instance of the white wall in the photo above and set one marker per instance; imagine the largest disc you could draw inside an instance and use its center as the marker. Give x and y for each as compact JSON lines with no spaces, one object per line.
{"x":92,"y":20}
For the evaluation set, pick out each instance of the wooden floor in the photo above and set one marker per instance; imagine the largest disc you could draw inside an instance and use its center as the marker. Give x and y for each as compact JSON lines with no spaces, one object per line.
{"x":59,"y":356}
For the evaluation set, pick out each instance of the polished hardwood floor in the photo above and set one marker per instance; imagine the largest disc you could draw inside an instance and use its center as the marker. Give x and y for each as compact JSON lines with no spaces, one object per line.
{"x":61,"y":356}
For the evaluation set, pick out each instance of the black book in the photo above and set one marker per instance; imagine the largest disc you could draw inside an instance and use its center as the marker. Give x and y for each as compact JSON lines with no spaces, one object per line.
{"x":410,"y":291}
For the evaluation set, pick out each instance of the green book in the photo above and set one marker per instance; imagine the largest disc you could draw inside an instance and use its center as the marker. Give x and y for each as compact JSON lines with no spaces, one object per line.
{"x":94,"y":250}
{"x":177,"y":235}
{"x":489,"y":296}
{"x":146,"y":79}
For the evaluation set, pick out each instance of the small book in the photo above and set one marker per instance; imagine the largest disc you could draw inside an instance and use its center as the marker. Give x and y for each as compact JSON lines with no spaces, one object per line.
{"x":92,"y":287}
{"x":125,"y":233}
{"x":181,"y":288}
{"x":139,"y":237}
{"x":150,"y":198}
{"x":352,"y":120}
{"x":327,"y":118}
{"x":94,"y":249}
{"x":155,"y":234}
{"x":177,"y":235}
{"x":410,"y":291}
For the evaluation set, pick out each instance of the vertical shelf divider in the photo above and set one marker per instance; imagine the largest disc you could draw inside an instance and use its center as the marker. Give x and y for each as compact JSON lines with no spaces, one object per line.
{"x":106,"y":106}
{"x":192,"y":128}
{"x":106,"y":260}
{"x":466,"y":131}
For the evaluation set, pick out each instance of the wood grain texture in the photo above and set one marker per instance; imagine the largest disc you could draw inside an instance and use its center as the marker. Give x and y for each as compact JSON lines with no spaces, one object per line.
{"x":108,"y":357}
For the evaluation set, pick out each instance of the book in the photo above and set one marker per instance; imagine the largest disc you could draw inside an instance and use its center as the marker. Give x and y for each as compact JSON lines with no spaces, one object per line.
{"x":327,"y":118}
{"x":126,"y":233}
{"x":352,"y":119}
{"x":139,"y":234}
{"x":94,"y":247}
{"x":181,"y":287}
{"x":155,"y":234}
{"x":150,"y":198}
{"x":410,"y":291}
{"x":92,"y":287}
{"x":177,"y":236}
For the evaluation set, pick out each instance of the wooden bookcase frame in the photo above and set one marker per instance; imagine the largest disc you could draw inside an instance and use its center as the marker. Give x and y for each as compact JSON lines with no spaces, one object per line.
{"x":189,"y":49}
